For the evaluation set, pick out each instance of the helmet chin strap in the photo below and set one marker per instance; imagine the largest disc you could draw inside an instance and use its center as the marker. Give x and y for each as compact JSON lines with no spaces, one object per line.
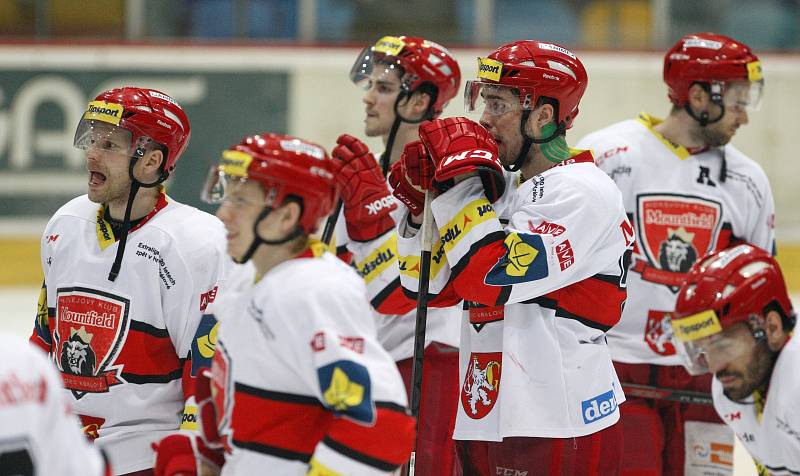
{"x":714,"y":90}
{"x":528,"y":141}
{"x":258,"y":240}
{"x":398,"y":119}
{"x":126,"y":221}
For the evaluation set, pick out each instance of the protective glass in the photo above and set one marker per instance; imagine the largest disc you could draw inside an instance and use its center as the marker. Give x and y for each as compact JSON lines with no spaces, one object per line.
{"x":373,"y":66}
{"x":92,"y":134}
{"x":703,"y":346}
{"x":743,"y":96}
{"x":493,"y":99}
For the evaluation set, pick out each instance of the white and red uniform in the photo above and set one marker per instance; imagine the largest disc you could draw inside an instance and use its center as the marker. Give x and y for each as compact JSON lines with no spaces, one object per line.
{"x":39,"y":434}
{"x":542,"y":273}
{"x":127,"y":349}
{"x":771,"y":434}
{"x":395,"y":317}
{"x":681,"y":208}
{"x":300,"y":379}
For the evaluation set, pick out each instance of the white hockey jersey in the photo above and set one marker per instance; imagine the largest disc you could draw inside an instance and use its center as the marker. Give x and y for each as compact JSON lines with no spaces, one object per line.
{"x":773,"y":437}
{"x":39,"y":434}
{"x":541,"y":271}
{"x":376,"y":262}
{"x":300,"y":379}
{"x":681,"y":209}
{"x":127,"y":349}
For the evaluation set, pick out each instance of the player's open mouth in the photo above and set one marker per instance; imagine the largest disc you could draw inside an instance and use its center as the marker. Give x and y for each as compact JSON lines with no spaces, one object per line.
{"x":96,"y":178}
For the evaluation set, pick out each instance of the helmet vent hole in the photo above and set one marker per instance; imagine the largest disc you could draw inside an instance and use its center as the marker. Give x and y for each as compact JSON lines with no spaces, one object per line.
{"x":561,"y":67}
{"x":752,"y":268}
{"x":729,"y":288}
{"x":172,"y":116}
{"x":726,"y":309}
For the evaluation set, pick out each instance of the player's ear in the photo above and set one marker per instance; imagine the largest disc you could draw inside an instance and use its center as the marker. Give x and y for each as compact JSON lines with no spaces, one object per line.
{"x":698,"y":97}
{"x":290,"y":215}
{"x":776,"y":335}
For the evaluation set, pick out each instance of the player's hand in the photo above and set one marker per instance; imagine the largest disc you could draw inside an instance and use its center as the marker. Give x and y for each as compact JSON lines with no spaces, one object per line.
{"x":460,"y":148}
{"x":367,"y":201}
{"x":411,"y":176}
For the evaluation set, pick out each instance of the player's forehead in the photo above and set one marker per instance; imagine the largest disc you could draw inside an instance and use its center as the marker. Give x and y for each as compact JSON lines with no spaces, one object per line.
{"x":109,"y":131}
{"x":385,"y":73}
{"x":498,"y":92}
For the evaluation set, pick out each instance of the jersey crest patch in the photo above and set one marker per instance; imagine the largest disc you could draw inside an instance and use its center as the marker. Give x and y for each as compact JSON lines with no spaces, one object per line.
{"x":91,"y":426}
{"x":525,"y":260}
{"x":481,"y":384}
{"x":658,"y":333}
{"x":346,"y":390}
{"x":204,"y":343}
{"x":91,"y":327}
{"x":674,"y":232}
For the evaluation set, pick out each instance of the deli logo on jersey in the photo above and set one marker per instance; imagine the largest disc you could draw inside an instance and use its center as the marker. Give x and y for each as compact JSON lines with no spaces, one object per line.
{"x":90,"y":329}
{"x":91,"y":426}
{"x":546,"y":228}
{"x":207,"y":298}
{"x":566,"y":257}
{"x":599,"y":407}
{"x":675,"y":231}
{"x":346,"y":389}
{"x":525,"y":260}
{"x":481,"y":384}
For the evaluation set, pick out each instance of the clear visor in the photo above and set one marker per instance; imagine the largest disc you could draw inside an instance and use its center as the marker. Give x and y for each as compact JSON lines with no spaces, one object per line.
{"x":709,"y":353}
{"x":232,"y":189}
{"x":99,"y":135}
{"x":743,"y":96}
{"x":493,"y":99}
{"x":373,"y":67}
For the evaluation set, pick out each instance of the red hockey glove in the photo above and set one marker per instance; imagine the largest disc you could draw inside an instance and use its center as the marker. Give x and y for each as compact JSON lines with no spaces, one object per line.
{"x":460,"y":147}
{"x":367,"y":200}
{"x":206,"y":409}
{"x":411,"y":176}
{"x":182,"y":454}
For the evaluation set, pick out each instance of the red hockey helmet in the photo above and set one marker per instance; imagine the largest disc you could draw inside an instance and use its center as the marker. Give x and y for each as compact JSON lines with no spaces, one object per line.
{"x":724,"y":288}
{"x":285,"y":166}
{"x":532,"y":69}
{"x":131,"y":117}
{"x":715,"y":60}
{"x":417,"y":60}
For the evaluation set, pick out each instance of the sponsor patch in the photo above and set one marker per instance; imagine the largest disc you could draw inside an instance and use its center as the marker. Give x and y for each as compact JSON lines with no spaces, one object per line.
{"x":546,"y":228}
{"x":91,"y":327}
{"x":470,"y":216}
{"x":658,"y":333}
{"x":207,"y":298}
{"x":696,"y":326}
{"x":104,"y":112}
{"x":159,"y":95}
{"x":391,"y":45}
{"x":204,"y":343}
{"x":303,"y":148}
{"x":91,"y":426}
{"x":346,"y":389}
{"x":754,"y":72}
{"x":599,"y":407}
{"x":552,"y":47}
{"x":566,"y":257}
{"x":189,"y":418}
{"x":701,"y":43}
{"x":489,"y":69}
{"x":481,"y":384}
{"x":381,"y":258}
{"x":525,"y":260}
{"x":235,"y":163}
{"x":675,"y":231}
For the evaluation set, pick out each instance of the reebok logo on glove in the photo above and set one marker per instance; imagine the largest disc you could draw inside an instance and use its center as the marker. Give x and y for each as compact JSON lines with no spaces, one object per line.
{"x":480,"y":154}
{"x":378,"y":205}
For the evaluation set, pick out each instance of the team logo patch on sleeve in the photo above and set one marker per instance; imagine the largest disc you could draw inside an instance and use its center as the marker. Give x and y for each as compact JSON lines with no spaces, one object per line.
{"x":204,"y":343}
{"x":346,"y":390}
{"x":481,"y":384}
{"x":525,"y":260}
{"x":91,"y":327}
{"x":91,"y":426}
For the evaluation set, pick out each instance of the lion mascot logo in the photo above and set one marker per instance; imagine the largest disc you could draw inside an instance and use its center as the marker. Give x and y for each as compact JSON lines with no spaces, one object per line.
{"x":77,"y":356}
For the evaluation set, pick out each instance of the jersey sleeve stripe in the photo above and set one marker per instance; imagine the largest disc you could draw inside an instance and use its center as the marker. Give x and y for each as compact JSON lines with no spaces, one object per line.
{"x":272,"y":451}
{"x":286,"y":422}
{"x":149,"y":329}
{"x":391,"y":300}
{"x":358,"y":456}
{"x":148,"y":355}
{"x":144,"y":379}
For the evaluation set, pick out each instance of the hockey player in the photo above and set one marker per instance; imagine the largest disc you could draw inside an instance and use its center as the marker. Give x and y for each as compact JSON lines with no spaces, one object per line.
{"x":734,"y":319}
{"x":128,"y":342}
{"x":300,"y":383}
{"x":537,"y":253}
{"x":687,"y":191}
{"x":39,"y":434}
{"x":406,"y":80}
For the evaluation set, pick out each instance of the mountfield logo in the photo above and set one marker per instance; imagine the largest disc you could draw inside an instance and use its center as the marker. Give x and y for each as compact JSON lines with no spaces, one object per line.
{"x":599,"y":407}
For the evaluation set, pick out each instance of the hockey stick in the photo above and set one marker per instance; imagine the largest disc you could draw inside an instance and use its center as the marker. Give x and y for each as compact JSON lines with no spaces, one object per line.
{"x":422,"y":318}
{"x":682,"y":396}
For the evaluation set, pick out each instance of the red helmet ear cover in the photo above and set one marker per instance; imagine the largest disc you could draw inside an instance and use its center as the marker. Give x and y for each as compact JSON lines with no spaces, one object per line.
{"x":151,"y":113}
{"x":707,"y":57}
{"x":286,"y":166}
{"x":735,"y":283}
{"x":540,"y":69}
